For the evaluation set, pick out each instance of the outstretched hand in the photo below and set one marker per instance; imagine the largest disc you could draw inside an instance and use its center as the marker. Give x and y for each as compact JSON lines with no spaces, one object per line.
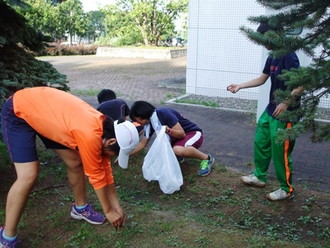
{"x":233,"y":88}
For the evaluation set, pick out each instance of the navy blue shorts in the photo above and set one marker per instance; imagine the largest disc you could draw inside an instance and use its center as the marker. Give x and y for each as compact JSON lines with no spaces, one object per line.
{"x":20,"y":138}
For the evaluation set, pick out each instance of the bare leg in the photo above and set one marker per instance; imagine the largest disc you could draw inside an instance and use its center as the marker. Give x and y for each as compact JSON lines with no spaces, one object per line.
{"x":19,"y":193}
{"x":76,"y":175}
{"x":189,"y":152}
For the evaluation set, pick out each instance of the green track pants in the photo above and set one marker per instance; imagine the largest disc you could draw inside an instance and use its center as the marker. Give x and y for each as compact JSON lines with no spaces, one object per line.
{"x":266,"y":148}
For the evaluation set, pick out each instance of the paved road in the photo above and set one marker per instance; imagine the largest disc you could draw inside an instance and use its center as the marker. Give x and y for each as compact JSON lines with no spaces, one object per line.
{"x":228,"y":135}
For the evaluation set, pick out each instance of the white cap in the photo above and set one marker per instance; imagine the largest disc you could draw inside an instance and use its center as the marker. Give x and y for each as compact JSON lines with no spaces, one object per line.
{"x":127,"y":137}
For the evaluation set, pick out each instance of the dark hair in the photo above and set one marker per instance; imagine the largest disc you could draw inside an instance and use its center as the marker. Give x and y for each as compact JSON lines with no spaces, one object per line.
{"x":265,"y":27}
{"x":141,"y":109}
{"x":106,"y":95}
{"x":109,"y":132}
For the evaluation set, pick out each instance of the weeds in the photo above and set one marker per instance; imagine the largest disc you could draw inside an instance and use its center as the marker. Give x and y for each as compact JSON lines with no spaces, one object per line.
{"x":214,"y":211}
{"x":4,"y":156}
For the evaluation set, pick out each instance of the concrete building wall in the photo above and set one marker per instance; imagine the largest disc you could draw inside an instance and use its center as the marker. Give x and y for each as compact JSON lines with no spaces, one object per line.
{"x":218,"y":53}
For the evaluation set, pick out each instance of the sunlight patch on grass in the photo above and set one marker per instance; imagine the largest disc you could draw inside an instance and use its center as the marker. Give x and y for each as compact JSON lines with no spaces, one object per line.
{"x":213,"y":104}
{"x":85,"y":92}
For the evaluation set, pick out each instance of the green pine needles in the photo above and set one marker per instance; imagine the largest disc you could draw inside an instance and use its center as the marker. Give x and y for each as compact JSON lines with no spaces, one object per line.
{"x":18,"y":67}
{"x":313,"y":17}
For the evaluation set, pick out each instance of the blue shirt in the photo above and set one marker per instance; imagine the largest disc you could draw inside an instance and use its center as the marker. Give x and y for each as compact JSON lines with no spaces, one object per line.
{"x":170,"y":117}
{"x":115,"y":108}
{"x":274,"y":67}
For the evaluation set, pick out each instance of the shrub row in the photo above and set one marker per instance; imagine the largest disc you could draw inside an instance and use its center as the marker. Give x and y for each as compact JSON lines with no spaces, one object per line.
{"x":58,"y":50}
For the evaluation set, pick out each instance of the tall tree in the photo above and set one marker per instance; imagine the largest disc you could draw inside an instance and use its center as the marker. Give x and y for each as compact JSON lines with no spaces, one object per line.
{"x":57,"y":19}
{"x":96,"y":25}
{"x":154,"y":18}
{"x":313,"y":16}
{"x":72,"y":18}
{"x":120,"y":27}
{"x":40,"y":16}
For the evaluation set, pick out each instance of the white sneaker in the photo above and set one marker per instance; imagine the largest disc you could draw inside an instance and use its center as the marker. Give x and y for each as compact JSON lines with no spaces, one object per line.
{"x":279,"y":195}
{"x":253,"y":181}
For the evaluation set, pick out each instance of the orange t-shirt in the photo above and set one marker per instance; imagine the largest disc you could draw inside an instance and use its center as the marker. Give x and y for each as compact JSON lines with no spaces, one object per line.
{"x":66,"y":119}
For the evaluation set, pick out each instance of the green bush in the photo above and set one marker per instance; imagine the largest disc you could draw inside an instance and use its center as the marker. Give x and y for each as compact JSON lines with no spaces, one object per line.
{"x":129,"y":39}
{"x":19,"y":69}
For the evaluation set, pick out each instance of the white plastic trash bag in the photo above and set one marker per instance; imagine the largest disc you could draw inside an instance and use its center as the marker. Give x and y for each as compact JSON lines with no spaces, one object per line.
{"x":160,"y":164}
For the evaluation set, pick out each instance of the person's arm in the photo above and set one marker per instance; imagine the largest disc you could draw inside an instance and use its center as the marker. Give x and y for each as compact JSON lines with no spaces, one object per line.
{"x":297,"y":91}
{"x":233,"y":88}
{"x":110,"y":205}
{"x":142,"y":144}
{"x":176,"y":131}
{"x":280,"y":108}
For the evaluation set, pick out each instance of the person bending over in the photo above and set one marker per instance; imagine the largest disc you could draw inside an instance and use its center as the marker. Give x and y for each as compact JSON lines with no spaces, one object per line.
{"x":80,"y":135}
{"x":186,"y":136}
{"x":111,"y":106}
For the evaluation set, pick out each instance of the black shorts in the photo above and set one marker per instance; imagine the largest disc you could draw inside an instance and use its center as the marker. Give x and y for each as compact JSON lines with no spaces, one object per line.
{"x":20,"y":137}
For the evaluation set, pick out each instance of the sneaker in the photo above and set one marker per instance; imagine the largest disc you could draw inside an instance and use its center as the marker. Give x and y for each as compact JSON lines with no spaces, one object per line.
{"x":206,"y":166}
{"x":253,"y":181}
{"x":180,"y":160}
{"x":5,"y":243}
{"x":87,"y":214}
{"x":279,"y":195}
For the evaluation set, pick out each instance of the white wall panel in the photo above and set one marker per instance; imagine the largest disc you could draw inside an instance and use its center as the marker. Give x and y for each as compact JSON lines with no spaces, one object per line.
{"x":225,"y":14}
{"x":214,"y":83}
{"x":192,"y":48}
{"x":218,"y":53}
{"x":191,"y":81}
{"x":227,"y":50}
{"x":193,"y":13}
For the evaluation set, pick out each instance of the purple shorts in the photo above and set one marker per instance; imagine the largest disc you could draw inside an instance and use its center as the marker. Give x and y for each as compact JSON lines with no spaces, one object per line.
{"x":20,"y":138}
{"x":194,"y":138}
